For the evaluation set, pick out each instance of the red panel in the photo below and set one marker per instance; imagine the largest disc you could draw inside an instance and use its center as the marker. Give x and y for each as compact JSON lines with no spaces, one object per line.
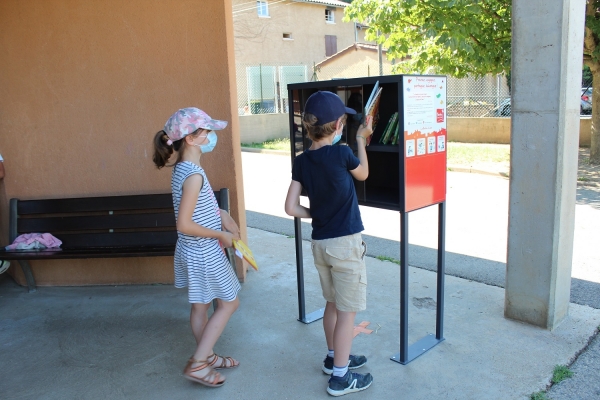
{"x":425,"y":180}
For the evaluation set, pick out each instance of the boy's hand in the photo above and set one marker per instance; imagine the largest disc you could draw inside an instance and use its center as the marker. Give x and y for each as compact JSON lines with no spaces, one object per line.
{"x":365,"y":130}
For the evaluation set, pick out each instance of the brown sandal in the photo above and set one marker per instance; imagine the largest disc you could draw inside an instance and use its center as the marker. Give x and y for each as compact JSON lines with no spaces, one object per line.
{"x":223,"y":363}
{"x":211,"y":379}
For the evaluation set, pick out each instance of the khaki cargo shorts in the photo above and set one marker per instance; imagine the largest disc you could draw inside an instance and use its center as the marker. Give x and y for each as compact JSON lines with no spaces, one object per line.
{"x":341,"y":265}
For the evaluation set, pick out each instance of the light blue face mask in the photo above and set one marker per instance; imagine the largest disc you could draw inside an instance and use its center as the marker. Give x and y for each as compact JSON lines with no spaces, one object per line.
{"x":337,"y":138}
{"x":212,"y":142}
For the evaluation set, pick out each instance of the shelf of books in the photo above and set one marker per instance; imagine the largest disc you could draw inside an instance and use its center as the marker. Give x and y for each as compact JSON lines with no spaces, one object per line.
{"x":407,"y":158}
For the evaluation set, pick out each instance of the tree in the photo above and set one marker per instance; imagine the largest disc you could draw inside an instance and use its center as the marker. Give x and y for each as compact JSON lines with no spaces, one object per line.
{"x":456,"y":37}
{"x":463,"y":38}
{"x":591,"y":58}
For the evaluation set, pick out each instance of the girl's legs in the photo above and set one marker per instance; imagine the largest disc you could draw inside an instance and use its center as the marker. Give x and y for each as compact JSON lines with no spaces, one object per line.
{"x":207,"y":331}
{"x":198,"y":319}
{"x":213,"y":327}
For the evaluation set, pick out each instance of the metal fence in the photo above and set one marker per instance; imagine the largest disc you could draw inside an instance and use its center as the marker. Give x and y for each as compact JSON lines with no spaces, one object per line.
{"x":262,"y":88}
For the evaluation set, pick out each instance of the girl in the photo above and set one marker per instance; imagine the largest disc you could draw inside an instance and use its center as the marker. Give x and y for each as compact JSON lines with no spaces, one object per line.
{"x":200,"y":263}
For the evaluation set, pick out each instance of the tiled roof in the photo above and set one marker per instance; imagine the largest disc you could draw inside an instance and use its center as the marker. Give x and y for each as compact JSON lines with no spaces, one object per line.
{"x":334,"y":3}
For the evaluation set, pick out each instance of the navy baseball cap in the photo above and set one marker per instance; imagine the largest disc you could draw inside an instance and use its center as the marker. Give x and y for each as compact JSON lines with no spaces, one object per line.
{"x":326,"y":106}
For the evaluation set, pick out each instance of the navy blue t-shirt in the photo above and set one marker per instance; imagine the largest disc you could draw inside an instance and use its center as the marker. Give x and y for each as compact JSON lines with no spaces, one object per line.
{"x":325,"y":174}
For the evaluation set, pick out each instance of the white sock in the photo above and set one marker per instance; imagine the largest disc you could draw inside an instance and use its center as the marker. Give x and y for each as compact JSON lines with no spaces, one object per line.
{"x":330,"y":353}
{"x":340,"y":371}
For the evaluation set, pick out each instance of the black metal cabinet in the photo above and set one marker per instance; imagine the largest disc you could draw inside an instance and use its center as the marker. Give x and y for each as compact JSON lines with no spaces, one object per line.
{"x":388,"y":181}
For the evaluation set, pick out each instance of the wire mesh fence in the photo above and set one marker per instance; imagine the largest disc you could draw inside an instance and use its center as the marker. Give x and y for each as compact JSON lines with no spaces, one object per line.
{"x":262,"y":88}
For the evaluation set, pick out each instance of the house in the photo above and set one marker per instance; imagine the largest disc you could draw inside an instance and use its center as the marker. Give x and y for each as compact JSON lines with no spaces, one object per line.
{"x":358,"y":59}
{"x":291,"y":32}
{"x":279,"y":42}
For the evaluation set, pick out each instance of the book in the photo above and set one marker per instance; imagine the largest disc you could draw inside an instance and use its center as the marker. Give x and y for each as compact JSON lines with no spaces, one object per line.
{"x":372,"y":108}
{"x":395,"y":138}
{"x":244,"y":252}
{"x":387,"y":126}
{"x":369,"y":102}
{"x":388,"y":133}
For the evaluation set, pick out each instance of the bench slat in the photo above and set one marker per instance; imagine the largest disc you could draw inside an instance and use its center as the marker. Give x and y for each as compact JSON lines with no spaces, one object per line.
{"x":117,"y":239}
{"x":132,"y":221}
{"x":90,"y":204}
{"x":117,"y":252}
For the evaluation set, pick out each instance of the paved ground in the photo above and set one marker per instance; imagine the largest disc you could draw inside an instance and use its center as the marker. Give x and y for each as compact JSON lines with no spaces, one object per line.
{"x":477,"y":206}
{"x":132,"y":341}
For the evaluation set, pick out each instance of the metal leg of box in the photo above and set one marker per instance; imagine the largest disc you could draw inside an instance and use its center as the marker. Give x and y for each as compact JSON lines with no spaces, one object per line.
{"x":302,"y":317}
{"x":409,"y":353}
{"x":441,"y":271}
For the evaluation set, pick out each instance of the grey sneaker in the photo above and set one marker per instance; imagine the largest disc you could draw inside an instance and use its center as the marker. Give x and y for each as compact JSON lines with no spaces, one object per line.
{"x":349,"y":383}
{"x":353,"y":363}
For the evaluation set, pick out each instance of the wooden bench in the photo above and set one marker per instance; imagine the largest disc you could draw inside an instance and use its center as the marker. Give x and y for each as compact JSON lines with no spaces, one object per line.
{"x":98,"y":227}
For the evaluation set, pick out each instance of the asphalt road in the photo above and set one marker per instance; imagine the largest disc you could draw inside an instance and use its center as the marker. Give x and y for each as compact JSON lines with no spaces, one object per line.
{"x":476,"y":225}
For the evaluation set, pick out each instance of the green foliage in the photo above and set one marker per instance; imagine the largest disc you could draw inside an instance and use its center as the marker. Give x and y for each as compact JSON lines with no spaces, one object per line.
{"x":538,"y":396}
{"x":390,"y":259}
{"x":454,"y":37}
{"x":591,"y":50}
{"x":275,"y":144}
{"x":560,"y":373}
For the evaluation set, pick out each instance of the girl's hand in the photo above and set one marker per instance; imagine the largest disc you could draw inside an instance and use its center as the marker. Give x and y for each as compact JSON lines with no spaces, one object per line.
{"x":226,"y":239}
{"x":365,"y":130}
{"x":229,"y":225}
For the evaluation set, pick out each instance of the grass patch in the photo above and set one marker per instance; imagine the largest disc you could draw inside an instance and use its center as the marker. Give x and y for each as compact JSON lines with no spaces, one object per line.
{"x":538,"y":396}
{"x":582,"y":179}
{"x":275,"y":144}
{"x":560,"y":373}
{"x":390,"y":259}
{"x":469,"y":153}
{"x":458,"y":153}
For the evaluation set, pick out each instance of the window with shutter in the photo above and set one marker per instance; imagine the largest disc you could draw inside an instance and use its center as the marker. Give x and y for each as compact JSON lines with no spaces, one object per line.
{"x":330,"y":45}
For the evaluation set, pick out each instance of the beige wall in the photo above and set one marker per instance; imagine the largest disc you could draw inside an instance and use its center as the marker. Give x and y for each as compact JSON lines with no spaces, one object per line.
{"x":258,"y":128}
{"x":262,"y":127}
{"x":497,"y":130}
{"x":85,"y":86}
{"x":260,"y":40}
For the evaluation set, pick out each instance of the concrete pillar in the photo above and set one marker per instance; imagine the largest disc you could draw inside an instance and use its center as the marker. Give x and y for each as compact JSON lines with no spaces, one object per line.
{"x":547,"y":48}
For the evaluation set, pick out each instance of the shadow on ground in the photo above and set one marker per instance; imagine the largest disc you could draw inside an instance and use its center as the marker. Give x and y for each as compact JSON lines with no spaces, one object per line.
{"x":460,"y":265}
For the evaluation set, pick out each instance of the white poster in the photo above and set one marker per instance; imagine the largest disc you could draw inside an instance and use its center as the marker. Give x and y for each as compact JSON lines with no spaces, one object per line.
{"x":431,"y":144}
{"x":424,"y":113}
{"x":410,"y":148}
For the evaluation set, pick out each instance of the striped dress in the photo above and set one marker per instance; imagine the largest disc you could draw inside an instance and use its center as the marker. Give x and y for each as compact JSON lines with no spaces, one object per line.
{"x":200,"y":263}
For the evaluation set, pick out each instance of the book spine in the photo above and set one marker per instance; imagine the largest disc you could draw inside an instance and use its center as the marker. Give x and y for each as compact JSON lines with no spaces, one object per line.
{"x":395,"y":139}
{"x":371,"y":97}
{"x":390,"y":130}
{"x":381,"y":139}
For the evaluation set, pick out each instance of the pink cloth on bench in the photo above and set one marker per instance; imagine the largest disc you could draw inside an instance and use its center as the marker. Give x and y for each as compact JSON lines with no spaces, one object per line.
{"x":34,"y":241}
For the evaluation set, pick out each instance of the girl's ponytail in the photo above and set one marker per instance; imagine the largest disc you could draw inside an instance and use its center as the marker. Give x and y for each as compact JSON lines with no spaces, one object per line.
{"x":162,"y":150}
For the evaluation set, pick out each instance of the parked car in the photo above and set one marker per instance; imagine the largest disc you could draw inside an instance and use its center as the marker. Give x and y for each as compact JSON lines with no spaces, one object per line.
{"x":585,"y":106}
{"x":586,"y":101}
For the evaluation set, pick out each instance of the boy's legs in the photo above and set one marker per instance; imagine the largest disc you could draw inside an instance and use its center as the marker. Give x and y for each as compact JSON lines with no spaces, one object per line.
{"x":339,"y":332}
{"x":342,"y":338}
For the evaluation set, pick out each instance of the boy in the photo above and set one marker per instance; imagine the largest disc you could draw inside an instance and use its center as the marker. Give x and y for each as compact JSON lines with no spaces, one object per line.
{"x":326,"y":172}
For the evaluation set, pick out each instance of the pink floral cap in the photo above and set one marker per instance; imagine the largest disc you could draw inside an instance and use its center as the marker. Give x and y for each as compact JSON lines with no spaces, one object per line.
{"x":188,"y":120}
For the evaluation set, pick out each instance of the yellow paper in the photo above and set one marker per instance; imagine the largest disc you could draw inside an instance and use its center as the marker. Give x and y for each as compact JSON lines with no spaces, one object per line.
{"x":244,"y":252}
